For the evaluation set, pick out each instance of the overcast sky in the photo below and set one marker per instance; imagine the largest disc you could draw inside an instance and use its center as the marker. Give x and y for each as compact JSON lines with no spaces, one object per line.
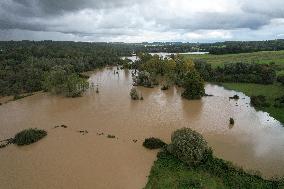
{"x":142,"y":20}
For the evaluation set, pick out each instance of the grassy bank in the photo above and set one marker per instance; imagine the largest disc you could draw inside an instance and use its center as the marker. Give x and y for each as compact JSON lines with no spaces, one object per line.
{"x":270,"y":91}
{"x":170,"y":173}
{"x":257,"y":57}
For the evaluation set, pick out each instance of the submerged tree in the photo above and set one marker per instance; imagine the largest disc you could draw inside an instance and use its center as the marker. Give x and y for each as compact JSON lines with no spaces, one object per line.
{"x":193,"y":85}
{"x":61,"y":81}
{"x":134,"y":94}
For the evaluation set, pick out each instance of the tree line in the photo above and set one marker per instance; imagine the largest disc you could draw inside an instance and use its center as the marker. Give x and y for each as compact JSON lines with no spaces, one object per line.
{"x":29,"y":66}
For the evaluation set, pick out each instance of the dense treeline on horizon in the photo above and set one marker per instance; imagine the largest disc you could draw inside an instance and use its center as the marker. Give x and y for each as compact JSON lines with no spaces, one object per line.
{"x":123,"y":49}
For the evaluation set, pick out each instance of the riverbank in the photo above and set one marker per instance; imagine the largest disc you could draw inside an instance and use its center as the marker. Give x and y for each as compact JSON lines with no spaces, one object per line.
{"x":271,"y":92}
{"x":168,"y":172}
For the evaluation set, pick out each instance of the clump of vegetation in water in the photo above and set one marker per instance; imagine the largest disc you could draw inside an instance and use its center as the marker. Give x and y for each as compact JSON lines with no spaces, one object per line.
{"x":143,"y":79}
{"x":235,"y":97}
{"x":165,"y":87}
{"x":189,"y":146}
{"x":153,"y":143}
{"x":6,"y":142}
{"x":232,"y":121}
{"x":29,"y":136}
{"x":134,"y":94}
{"x":110,"y":136}
{"x":173,"y":171}
{"x":259,"y":101}
{"x":17,"y":96}
{"x":193,"y":86}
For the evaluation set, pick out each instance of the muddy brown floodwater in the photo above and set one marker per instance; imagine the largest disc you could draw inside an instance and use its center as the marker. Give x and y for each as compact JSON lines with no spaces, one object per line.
{"x":68,"y":159}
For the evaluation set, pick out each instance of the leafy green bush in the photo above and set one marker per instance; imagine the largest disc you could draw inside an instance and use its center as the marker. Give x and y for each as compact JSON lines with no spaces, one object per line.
{"x":189,"y":146}
{"x":29,"y":136}
{"x":193,"y":86}
{"x":134,"y":94}
{"x":153,"y":143}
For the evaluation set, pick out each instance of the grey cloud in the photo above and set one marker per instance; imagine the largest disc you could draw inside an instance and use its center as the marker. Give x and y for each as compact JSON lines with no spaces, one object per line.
{"x":103,"y":19}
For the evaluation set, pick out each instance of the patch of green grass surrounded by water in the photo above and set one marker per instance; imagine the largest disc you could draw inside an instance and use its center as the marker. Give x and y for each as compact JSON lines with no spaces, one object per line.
{"x":170,"y":173}
{"x":270,"y":91}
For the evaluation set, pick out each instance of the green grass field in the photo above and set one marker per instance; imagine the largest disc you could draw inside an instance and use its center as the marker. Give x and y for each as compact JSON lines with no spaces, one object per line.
{"x":270,"y":91}
{"x":257,"y":57}
{"x":170,"y":173}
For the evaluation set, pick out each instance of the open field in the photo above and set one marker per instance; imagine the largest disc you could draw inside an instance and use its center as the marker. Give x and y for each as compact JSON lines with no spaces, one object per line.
{"x":257,"y":57}
{"x":270,"y":91}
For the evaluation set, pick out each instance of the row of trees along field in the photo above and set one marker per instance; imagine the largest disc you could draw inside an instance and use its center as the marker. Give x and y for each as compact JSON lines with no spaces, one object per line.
{"x":228,"y":47}
{"x":29,"y":66}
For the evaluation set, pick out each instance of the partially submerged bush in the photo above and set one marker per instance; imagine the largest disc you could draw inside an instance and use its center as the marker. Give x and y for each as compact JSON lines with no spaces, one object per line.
{"x":189,"y":146}
{"x":232,"y":121}
{"x":153,"y":143}
{"x":29,"y":136}
{"x":259,"y":101}
{"x":165,"y":87}
{"x":193,"y":86}
{"x":143,"y":79}
{"x":134,"y":94}
{"x":235,"y":97}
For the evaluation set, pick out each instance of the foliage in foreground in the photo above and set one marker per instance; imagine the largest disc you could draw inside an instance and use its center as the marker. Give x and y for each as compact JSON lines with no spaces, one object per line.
{"x":189,"y":146}
{"x":153,"y":143}
{"x":168,"y":172}
{"x":189,"y":163}
{"x":29,"y":136}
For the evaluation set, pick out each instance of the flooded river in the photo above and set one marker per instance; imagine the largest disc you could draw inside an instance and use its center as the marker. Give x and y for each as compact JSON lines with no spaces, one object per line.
{"x":69,"y":159}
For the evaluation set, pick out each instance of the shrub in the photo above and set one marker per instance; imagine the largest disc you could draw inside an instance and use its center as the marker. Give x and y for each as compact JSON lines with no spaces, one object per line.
{"x":193,"y":86}
{"x":153,"y":143}
{"x":143,"y":79}
{"x":29,"y":136}
{"x":189,"y":146}
{"x":134,"y":94}
{"x":110,"y":136}
{"x":259,"y":101}
{"x":235,"y":97}
{"x":232,"y":121}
